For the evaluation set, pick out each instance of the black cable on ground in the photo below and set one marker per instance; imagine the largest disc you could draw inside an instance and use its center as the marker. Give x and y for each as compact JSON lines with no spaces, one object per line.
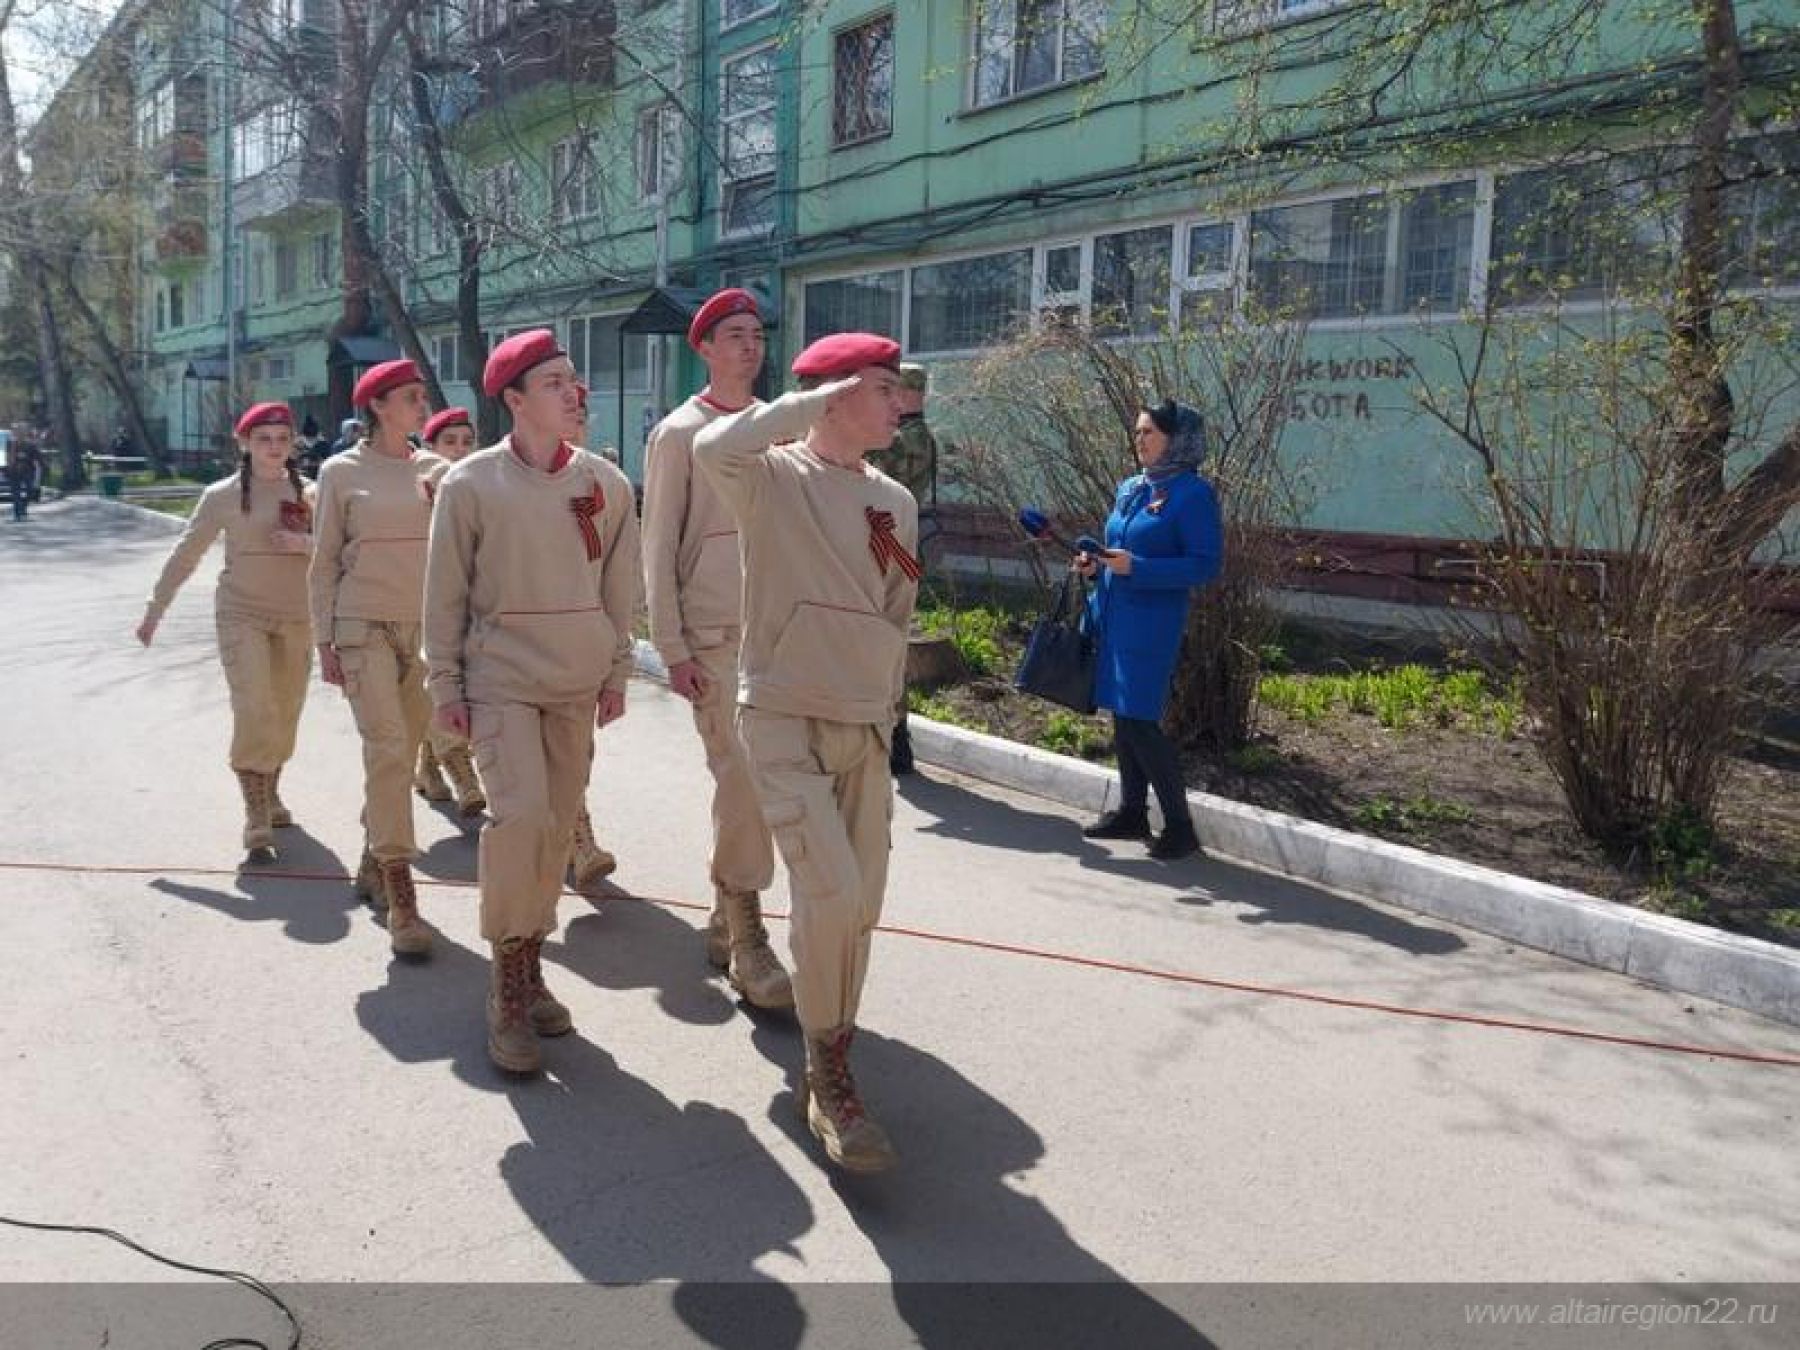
{"x":237,"y":1277}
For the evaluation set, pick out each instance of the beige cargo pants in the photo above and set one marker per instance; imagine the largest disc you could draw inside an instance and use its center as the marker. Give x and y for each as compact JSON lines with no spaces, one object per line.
{"x":267,"y":665}
{"x":828,"y":798}
{"x":533,"y":761}
{"x":742,"y":859}
{"x":384,"y":676}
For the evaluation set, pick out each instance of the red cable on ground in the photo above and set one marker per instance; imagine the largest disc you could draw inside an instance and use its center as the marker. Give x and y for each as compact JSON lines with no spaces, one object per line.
{"x":1042,"y":954}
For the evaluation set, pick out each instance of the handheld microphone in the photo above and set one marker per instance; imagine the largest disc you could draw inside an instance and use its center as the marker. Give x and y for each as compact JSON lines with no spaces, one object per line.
{"x":1037,"y":525}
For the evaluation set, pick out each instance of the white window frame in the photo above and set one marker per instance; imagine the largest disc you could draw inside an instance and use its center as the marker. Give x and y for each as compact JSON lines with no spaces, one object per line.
{"x":574,"y":178}
{"x":728,"y":183}
{"x":156,"y":115}
{"x":972,"y":100}
{"x":908,"y":266}
{"x":324,"y":260}
{"x":1247,"y":16}
{"x":584,"y":370}
{"x":657,"y":146}
{"x":1230,"y":280}
{"x":727,"y":22}
{"x":1043,"y":299}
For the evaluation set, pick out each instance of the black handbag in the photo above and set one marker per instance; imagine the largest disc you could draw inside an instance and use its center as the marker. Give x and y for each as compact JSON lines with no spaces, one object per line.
{"x":1060,"y":660}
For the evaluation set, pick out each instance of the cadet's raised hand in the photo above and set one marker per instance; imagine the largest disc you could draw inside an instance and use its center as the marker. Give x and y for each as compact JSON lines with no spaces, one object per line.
{"x":688,"y":679}
{"x":610,"y":708}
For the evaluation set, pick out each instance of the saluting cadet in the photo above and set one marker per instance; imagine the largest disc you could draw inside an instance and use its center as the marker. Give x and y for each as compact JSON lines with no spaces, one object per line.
{"x":450,"y":435}
{"x":694,"y":583}
{"x":368,"y":584}
{"x":588,"y":862}
{"x":830,"y":581}
{"x":264,"y":510}
{"x":529,"y":598}
{"x":911,"y":460}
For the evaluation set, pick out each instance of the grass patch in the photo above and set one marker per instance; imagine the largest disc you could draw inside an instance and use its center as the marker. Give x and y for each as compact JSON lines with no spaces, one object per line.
{"x":1068,"y":733}
{"x":1255,"y":758}
{"x":1421,"y":810}
{"x":975,"y":632}
{"x":1408,"y":695}
{"x":939,"y":710}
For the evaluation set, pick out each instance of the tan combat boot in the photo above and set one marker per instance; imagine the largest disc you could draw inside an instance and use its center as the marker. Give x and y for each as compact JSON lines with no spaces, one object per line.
{"x":834,"y":1110}
{"x":753,"y":968}
{"x":459,"y":765}
{"x":408,"y":934}
{"x":588,"y":862}
{"x":279,"y":816}
{"x":512,"y":1044}
{"x":368,"y":881}
{"x":428,"y":777}
{"x":259,"y":831}
{"x":549,"y":1015}
{"x":718,"y":935}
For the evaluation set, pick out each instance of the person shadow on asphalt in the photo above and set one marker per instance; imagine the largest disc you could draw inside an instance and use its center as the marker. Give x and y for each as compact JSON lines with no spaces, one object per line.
{"x":972,"y":1260}
{"x":310,"y":910}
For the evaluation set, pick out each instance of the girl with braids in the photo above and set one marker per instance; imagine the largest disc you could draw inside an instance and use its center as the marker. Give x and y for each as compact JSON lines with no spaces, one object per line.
{"x":451,"y":436}
{"x":264,"y":510}
{"x":368,"y":591}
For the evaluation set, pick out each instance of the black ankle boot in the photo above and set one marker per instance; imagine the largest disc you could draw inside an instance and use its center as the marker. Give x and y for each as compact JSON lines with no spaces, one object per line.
{"x":900,"y":756}
{"x":1128,"y":823}
{"x":1177,"y":841}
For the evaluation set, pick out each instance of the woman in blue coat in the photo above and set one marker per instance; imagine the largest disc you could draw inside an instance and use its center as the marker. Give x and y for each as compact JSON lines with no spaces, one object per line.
{"x":1163,"y":539}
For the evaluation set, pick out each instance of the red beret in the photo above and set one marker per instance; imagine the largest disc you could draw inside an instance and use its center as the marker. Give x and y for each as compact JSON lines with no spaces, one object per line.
{"x":383,"y":379}
{"x":450,"y":417}
{"x":518,"y":354}
{"x":718,"y":308}
{"x":264,"y":415}
{"x":845,"y":354}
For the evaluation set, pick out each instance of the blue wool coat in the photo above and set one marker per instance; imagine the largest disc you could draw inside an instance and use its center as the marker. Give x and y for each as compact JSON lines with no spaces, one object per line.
{"x":1173,"y":532}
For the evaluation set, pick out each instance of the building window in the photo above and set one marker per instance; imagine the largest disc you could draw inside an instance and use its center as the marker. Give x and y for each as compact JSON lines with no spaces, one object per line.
{"x":1764,"y":212}
{"x":866,"y":304}
{"x":287,"y":268}
{"x":1022,"y":45}
{"x":1371,"y":254}
{"x":497,"y":195}
{"x":1131,"y":283}
{"x":446,"y":355}
{"x":177,"y":305}
{"x":959,"y":306}
{"x":734,"y":12}
{"x":747,"y":123}
{"x":156,"y":116}
{"x":255,"y":260}
{"x":162,"y":311}
{"x":574,"y":179}
{"x":658,"y":151}
{"x":1063,"y":289}
{"x":862,"y":82}
{"x":488,"y":17}
{"x":1579,"y":232}
{"x":1209,"y":272}
{"x":594,"y":350}
{"x":324,"y":260}
{"x":262,"y":141}
{"x":1437,"y":239}
{"x":1237,"y":16}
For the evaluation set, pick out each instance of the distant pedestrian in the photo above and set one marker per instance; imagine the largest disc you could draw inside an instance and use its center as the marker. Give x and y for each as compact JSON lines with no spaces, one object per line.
{"x":1163,"y":539}
{"x":264,"y":511}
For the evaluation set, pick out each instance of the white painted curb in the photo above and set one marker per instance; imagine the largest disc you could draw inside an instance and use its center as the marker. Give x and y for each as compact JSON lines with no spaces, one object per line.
{"x":1743,"y":972}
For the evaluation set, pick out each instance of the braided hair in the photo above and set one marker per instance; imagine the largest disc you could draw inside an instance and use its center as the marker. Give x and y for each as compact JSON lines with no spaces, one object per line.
{"x":293,"y":475}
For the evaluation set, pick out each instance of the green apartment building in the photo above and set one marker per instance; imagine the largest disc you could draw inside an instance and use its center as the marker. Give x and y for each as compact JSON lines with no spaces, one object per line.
{"x":945,"y":171}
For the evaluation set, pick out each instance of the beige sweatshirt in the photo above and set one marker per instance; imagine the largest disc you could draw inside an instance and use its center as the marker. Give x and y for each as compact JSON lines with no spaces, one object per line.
{"x":824,"y":624}
{"x":691,"y":571}
{"x":258,"y":579}
{"x":515,"y":609}
{"x":374,"y":515}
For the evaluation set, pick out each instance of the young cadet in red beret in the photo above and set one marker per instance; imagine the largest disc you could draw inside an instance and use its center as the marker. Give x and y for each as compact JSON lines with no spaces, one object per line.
{"x":450,"y":435}
{"x":694,"y":584}
{"x":830,"y":580}
{"x":368,"y":584}
{"x":264,"y":510}
{"x":589,"y":863}
{"x":529,"y":600}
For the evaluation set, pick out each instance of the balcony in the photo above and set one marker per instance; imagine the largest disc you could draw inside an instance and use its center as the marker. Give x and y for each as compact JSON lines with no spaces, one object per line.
{"x":178,"y":213}
{"x":181,"y":155}
{"x":291,"y":191}
{"x":547,"y":44}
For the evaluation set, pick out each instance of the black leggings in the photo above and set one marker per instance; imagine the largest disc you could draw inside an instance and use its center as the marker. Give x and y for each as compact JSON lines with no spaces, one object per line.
{"x":1147,"y":758}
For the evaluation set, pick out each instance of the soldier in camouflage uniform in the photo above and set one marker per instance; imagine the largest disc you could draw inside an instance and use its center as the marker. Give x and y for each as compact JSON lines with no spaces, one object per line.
{"x":912,"y":462}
